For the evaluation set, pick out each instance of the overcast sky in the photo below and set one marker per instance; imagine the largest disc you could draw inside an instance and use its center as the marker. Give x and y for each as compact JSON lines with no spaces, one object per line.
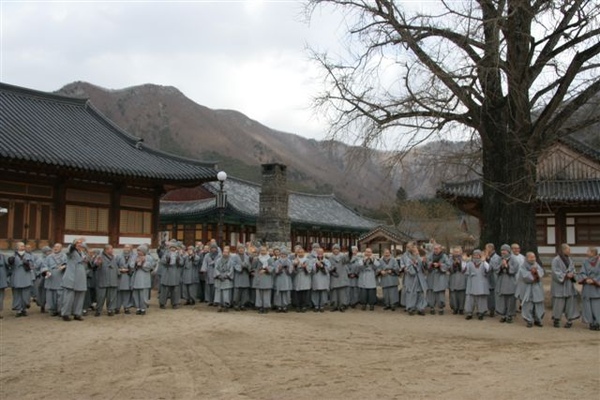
{"x":245,"y":55}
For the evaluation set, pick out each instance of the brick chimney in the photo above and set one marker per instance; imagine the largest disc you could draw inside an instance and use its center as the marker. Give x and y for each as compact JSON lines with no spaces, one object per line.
{"x":273,"y":223}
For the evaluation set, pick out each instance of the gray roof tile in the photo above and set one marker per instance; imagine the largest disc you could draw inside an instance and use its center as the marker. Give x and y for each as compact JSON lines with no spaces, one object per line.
{"x":243,"y":197}
{"x":548,"y":191}
{"x":65,"y":133}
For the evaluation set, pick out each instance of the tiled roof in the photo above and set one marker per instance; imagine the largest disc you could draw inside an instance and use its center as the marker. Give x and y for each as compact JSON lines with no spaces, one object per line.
{"x":581,"y":147}
{"x":243,"y":197}
{"x":67,"y":134}
{"x":389,"y":231}
{"x":547,"y":191}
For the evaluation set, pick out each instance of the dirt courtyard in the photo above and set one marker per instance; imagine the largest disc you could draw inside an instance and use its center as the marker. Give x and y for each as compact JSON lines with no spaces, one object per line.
{"x":195,"y":352}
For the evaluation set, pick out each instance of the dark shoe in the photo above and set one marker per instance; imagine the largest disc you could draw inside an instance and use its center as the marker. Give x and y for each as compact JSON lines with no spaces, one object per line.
{"x":220,"y":309}
{"x":363,"y":308}
{"x":509,"y":320}
{"x":285,"y":310}
{"x":432,"y":311}
{"x":492,"y":314}
{"x":20,"y":314}
{"x":461,"y":312}
{"x":176,"y":306}
{"x":66,"y":318}
{"x":538,"y":323}
{"x":529,"y":324}
{"x":556,"y":323}
{"x":342,"y":309}
{"x":111,"y":313}
{"x":78,"y":318}
{"x":469,"y":316}
{"x":568,"y":325}
{"x":127,"y":311}
{"x":411,"y":312}
{"x":138,"y":312}
{"x":97,"y":314}
{"x":372,"y":308}
{"x":480,"y":317}
{"x":421,"y":313}
{"x":454,"y":312}
{"x":84,"y":312}
{"x":55,"y":314}
{"x":43,"y":310}
{"x":441,"y":312}
{"x":143,"y":312}
{"x":162,"y":307}
{"x":503,"y":319}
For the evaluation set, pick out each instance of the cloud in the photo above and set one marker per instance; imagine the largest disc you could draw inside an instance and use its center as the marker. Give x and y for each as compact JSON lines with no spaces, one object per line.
{"x":249,"y":56}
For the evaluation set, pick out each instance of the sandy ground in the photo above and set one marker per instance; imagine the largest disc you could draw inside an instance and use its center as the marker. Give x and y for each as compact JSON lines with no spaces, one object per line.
{"x":195,"y":352}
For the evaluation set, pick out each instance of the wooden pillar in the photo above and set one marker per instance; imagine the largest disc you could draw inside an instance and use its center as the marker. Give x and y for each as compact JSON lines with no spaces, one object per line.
{"x":114,"y":217}
{"x":561,"y":228}
{"x":59,"y":211}
{"x":204,"y":233}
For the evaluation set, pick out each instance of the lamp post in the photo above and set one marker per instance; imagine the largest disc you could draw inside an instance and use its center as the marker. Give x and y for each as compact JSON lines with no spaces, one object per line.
{"x":221,"y":205}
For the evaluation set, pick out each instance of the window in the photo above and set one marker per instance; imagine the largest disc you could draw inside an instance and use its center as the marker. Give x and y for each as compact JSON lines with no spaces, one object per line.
{"x":136,"y":222}
{"x":545,"y":229}
{"x":86,"y":219}
{"x":587,"y":229}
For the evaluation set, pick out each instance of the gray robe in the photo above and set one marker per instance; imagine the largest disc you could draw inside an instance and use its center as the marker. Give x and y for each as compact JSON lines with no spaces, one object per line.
{"x":21,"y":269}
{"x":533,"y":289}
{"x":283,"y":274}
{"x":53,"y":262}
{"x":107,"y":274}
{"x":391,"y":269}
{"x":3,"y":273}
{"x":142,"y":272}
{"x":590,"y":293}
{"x":506,"y":281}
{"x":457,"y":279}
{"x":172,"y":263}
{"x":367,"y":278}
{"x":320,"y":276}
{"x":477,"y":282}
{"x":75,"y":276}
{"x":338,"y":272}
{"x":127,"y":264}
{"x":438,"y":276}
{"x":241,"y":267}
{"x":263,"y":273}
{"x":302,"y":274}
{"x":224,"y":273}
{"x":562,"y":287}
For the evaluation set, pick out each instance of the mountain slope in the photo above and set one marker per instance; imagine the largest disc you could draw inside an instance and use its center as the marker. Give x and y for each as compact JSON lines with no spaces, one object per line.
{"x":166,"y":119}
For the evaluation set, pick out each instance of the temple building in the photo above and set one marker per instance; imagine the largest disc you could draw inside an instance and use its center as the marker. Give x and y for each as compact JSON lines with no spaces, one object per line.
{"x":191,"y":215}
{"x":67,"y":171}
{"x":568,"y":197}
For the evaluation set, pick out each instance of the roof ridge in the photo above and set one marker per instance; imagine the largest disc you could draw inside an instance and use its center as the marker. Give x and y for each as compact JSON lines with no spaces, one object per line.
{"x":41,"y":94}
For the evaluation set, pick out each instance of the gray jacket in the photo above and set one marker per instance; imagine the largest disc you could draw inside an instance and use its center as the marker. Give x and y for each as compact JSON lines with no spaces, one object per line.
{"x":172,"y":262}
{"x":107,"y":272}
{"x":52,"y":267}
{"x":388,"y":272}
{"x":590,"y":270}
{"x":241,"y":270}
{"x":75,"y":276}
{"x":561,"y":286}
{"x":367,"y":273}
{"x":224,"y":273}
{"x":532,"y":287}
{"x":142,"y":272}
{"x":21,"y":267}
{"x":302,"y":273}
{"x":320,"y":276}
{"x":477,"y":282}
{"x":338,"y":273}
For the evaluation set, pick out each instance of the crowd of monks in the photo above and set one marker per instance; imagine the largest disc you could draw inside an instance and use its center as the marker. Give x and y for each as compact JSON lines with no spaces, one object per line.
{"x":71,"y":283}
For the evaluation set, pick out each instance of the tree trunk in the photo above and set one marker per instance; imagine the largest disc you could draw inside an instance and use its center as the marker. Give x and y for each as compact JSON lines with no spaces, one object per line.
{"x":509,"y":193}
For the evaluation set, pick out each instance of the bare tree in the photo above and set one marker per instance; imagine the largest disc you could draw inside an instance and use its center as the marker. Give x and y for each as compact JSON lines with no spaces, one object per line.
{"x":513,"y":72}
